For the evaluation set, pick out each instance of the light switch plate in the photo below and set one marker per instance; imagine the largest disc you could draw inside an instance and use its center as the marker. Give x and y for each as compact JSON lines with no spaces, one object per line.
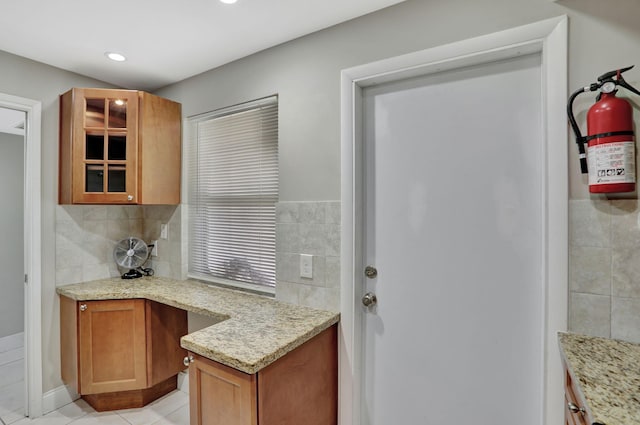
{"x":306,"y":266}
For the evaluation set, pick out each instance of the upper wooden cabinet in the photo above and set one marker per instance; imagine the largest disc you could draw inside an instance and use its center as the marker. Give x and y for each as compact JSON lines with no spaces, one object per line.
{"x":119,"y":147}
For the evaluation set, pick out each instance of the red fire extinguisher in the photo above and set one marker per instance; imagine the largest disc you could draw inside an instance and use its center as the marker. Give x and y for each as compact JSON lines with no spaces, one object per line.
{"x":610,"y":156}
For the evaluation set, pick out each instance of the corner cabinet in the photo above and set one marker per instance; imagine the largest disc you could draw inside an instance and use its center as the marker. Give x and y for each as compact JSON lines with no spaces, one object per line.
{"x":299,"y":388}
{"x":119,"y":147}
{"x":121,"y":354}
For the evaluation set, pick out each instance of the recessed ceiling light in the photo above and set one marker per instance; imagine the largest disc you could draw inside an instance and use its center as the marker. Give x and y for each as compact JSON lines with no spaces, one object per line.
{"x":115,"y":56}
{"x":228,"y":1}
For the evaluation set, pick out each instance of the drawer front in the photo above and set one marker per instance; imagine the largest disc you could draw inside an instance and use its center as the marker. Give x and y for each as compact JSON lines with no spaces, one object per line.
{"x":573,"y":402}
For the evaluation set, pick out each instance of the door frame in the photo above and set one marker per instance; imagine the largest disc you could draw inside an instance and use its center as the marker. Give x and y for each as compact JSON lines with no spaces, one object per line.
{"x":547,"y":37}
{"x":32,"y":250}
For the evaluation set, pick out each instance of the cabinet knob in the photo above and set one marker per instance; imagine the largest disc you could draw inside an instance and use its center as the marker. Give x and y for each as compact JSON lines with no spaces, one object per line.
{"x":83,"y":307}
{"x":575,"y":408}
{"x":188,"y":360}
{"x":129,"y":198}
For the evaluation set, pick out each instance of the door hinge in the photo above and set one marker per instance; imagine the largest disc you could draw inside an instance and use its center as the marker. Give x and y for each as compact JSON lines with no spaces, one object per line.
{"x":26,"y":278}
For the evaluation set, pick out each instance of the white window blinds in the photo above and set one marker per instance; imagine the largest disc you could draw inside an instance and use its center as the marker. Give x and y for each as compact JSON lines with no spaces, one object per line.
{"x":233,"y":188}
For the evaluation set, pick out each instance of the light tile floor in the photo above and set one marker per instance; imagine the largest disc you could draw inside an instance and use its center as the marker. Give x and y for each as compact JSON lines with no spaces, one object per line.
{"x":172,"y":409}
{"x":11,"y":383}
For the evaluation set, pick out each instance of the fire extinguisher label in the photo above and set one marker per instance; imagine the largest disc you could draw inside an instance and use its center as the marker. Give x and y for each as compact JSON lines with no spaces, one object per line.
{"x":612,"y":163}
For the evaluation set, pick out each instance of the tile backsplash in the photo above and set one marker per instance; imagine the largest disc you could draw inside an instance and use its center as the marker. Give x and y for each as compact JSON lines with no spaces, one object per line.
{"x":311,"y":228}
{"x":86,"y":236}
{"x":604,"y":268}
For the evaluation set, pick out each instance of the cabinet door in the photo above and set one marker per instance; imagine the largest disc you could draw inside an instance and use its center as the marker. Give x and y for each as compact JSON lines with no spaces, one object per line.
{"x":160,"y":150}
{"x":111,"y":346}
{"x":165,"y":326}
{"x":302,"y":386}
{"x":104,"y":146}
{"x":220,"y":395}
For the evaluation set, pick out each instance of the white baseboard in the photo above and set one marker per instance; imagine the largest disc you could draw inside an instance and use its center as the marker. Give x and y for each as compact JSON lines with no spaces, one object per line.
{"x":183,"y":382}
{"x":57,"y":397}
{"x":11,"y":342}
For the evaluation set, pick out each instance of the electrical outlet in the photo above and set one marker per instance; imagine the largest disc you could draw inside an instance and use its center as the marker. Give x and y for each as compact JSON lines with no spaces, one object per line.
{"x":154,"y":250}
{"x":306,"y":266}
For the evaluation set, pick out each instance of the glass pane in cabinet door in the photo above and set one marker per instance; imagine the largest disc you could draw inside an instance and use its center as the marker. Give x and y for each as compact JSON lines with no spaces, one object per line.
{"x":117,"y":147}
{"x":94,"y":146}
{"x":117,"y":178}
{"x":94,"y":178}
{"x":117,"y":113}
{"x":94,"y":114}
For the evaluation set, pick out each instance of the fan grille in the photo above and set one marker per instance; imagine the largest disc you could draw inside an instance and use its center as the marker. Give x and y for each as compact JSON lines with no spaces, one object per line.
{"x":130,"y":253}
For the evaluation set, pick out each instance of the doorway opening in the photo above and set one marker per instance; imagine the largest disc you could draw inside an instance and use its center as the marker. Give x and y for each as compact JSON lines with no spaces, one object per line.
{"x":21,"y":348}
{"x":12,"y":366}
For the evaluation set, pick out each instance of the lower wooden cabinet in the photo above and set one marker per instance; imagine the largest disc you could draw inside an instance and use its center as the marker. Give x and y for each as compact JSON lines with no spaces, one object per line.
{"x":121,"y":353}
{"x":574,"y":411}
{"x":299,"y":388}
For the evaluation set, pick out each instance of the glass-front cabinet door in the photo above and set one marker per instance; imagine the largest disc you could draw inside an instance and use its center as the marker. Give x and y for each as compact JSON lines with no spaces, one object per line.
{"x":105,"y":146}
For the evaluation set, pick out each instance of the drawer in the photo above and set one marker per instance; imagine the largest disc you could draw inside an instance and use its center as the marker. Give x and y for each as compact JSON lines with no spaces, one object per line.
{"x":571,"y":399}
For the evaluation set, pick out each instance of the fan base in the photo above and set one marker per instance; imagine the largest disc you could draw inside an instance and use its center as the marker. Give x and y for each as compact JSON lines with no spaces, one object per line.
{"x":132,"y":274}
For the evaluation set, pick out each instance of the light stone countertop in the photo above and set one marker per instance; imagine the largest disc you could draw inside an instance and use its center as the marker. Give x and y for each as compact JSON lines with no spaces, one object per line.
{"x":608,"y":373}
{"x":253,"y":331}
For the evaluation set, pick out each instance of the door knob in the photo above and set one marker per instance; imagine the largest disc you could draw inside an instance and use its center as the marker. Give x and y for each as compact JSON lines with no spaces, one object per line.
{"x":83,"y":307}
{"x":369,"y":299}
{"x":370,"y":272}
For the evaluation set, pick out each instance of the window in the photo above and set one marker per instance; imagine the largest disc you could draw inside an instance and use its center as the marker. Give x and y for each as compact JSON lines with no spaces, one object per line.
{"x":232,"y":159}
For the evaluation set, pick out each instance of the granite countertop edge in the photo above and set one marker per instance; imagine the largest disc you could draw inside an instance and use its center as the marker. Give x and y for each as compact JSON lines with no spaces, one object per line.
{"x":607,"y":377}
{"x":251,"y":332}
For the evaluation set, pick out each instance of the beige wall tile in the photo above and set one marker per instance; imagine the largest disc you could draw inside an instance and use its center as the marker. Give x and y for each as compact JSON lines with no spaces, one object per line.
{"x":590,"y":223}
{"x":625,"y":228}
{"x":332,"y":272}
{"x":625,"y":319}
{"x":288,"y":292}
{"x":625,"y":279}
{"x":590,"y":270}
{"x":333,"y":212}
{"x":590,"y":314}
{"x":287,"y":237}
{"x":322,"y":298}
{"x":287,"y":212}
{"x":312,"y":213}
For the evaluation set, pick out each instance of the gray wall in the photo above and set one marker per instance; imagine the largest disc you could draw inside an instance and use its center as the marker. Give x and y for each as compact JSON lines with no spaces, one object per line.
{"x":25,"y":78}
{"x":306,"y":72}
{"x":306,"y":75}
{"x":11,"y":229}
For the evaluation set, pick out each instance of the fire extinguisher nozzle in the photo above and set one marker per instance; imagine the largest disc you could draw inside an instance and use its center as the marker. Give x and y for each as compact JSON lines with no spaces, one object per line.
{"x":583,"y":166}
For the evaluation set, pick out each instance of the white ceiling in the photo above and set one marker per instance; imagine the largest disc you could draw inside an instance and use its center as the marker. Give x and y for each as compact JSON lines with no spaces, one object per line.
{"x":165,"y":41}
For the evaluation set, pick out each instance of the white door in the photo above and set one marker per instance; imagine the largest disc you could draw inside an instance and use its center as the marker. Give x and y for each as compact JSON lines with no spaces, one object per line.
{"x":454,"y":178}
